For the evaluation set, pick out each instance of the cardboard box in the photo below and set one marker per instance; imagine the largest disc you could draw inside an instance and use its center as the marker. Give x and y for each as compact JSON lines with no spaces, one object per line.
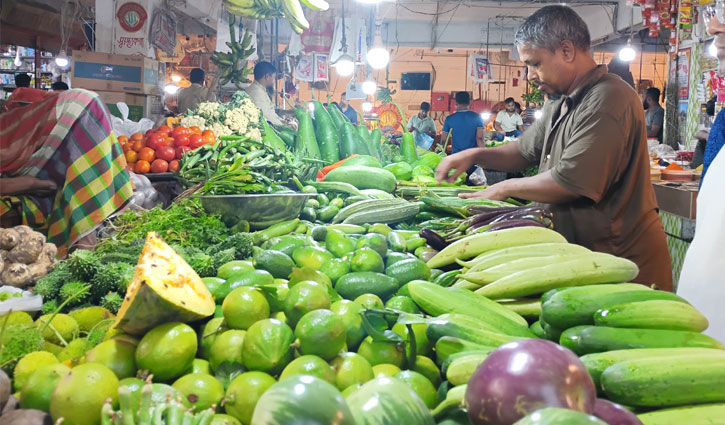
{"x":137,"y":107}
{"x":116,"y":73}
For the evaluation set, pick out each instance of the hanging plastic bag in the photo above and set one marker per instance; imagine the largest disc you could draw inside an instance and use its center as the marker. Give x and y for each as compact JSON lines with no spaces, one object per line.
{"x":424,"y":141}
{"x":26,"y":302}
{"x":126,"y":127}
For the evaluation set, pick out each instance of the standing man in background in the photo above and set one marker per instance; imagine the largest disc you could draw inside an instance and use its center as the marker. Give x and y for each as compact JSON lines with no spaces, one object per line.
{"x":421,"y":123}
{"x":190,"y":97}
{"x":465,"y":125}
{"x":265,"y":74}
{"x":508,"y":122}
{"x":348,"y":110}
{"x":655,"y":117}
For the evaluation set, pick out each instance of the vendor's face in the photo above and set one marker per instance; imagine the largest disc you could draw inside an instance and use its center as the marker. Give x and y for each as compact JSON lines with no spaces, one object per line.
{"x":267,"y":80}
{"x":511,"y":107}
{"x":717,"y":28}
{"x":422,"y":114}
{"x":550,"y":70}
{"x":343,"y":101}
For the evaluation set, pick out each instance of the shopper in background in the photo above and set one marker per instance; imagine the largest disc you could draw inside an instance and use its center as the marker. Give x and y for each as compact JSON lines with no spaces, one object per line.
{"x":463,"y":125}
{"x":702,"y":135}
{"x":22,"y":80}
{"x":265,"y":74}
{"x":508,"y":122}
{"x":348,"y":110}
{"x":655,"y":116}
{"x":421,"y":123}
{"x":590,"y":145}
{"x":701,"y":280}
{"x":59,"y":86}
{"x":190,"y":97}
{"x":621,"y":68}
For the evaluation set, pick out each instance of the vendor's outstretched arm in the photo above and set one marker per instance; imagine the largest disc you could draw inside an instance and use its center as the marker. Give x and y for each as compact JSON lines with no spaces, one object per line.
{"x":502,"y":158}
{"x":25,"y":185}
{"x":540,"y":188}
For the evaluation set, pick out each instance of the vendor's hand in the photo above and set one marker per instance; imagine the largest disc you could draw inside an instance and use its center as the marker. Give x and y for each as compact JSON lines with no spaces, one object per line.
{"x":459,"y":162}
{"x":496,"y":192}
{"x":26,"y":185}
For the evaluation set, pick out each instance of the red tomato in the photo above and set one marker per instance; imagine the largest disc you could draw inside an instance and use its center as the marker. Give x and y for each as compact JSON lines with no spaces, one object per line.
{"x":167,"y":153}
{"x":149,"y":132}
{"x":131,"y":156}
{"x":195,"y":140}
{"x":195,"y":130}
{"x":208,"y":132}
{"x":159,"y":166}
{"x":168,"y":141}
{"x":147,"y":154}
{"x":180,"y":131}
{"x":181,"y":150}
{"x":164,"y":129}
{"x":182,"y":140}
{"x":209,"y":139}
{"x":138,"y":145}
{"x":155,"y":141}
{"x":142,"y":167}
{"x":174,"y":165}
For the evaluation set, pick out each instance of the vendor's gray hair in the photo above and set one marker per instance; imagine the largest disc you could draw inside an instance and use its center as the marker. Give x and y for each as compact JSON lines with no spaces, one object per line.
{"x":551,"y":25}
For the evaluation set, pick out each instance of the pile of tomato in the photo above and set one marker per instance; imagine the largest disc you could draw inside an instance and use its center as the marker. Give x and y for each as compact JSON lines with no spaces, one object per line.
{"x":159,"y":151}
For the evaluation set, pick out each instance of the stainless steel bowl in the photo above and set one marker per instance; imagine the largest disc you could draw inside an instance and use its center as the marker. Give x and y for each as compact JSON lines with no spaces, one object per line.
{"x":260,"y":211}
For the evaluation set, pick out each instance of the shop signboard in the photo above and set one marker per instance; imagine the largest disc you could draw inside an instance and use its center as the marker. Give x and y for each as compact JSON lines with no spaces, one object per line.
{"x":389,"y":117}
{"x":683,"y":74}
{"x":130,"y":28}
{"x":163,"y":31}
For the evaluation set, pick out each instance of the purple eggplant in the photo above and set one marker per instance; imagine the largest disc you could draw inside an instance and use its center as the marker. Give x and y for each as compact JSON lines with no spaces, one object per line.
{"x":433,"y":239}
{"x":614,"y":414}
{"x":482,"y":209}
{"x":526,"y":375}
{"x":513,"y":223}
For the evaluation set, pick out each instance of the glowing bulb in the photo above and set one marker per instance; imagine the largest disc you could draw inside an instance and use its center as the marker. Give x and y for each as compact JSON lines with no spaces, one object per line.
{"x":712,"y":49}
{"x":344,"y":65}
{"x":538,"y":114}
{"x":62,"y":59}
{"x":378,"y":57}
{"x":369,"y":87}
{"x":627,"y":53}
{"x":367,"y":106}
{"x":486,"y":116}
{"x":17,"y":62}
{"x":176,"y":78}
{"x":311,"y":107}
{"x":171,"y":88}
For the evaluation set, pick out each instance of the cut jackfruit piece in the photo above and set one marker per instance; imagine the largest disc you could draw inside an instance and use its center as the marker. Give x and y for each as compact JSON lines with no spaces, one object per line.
{"x":164,"y":289}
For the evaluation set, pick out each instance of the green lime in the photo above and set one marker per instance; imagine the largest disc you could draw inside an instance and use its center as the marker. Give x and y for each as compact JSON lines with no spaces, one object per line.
{"x":321,"y":333}
{"x":227,"y":348}
{"x":422,"y":345}
{"x":305,"y":273}
{"x":305,"y":297}
{"x":427,"y":367}
{"x":213,"y":284}
{"x":244,"y":306}
{"x":167,"y":350}
{"x":221,"y":419}
{"x":385,"y":370}
{"x":250,"y":278}
{"x":231,"y":268}
{"x":369,"y":301}
{"x":268,"y":346}
{"x":309,"y":365}
{"x":278,"y":263}
{"x":351,"y":389}
{"x":28,"y":364}
{"x":117,"y":354}
{"x":351,"y":369}
{"x":79,"y":395}
{"x":134,"y":385}
{"x":421,"y":386}
{"x":211,"y":331}
{"x":403,"y":303}
{"x":338,"y":243}
{"x":39,"y":386}
{"x":199,"y":366}
{"x":367,"y":260}
{"x":244,"y":393}
{"x":311,"y":256}
{"x":336,"y":268}
{"x":199,"y":391}
{"x":275,"y":294}
{"x":349,"y":312}
{"x":380,"y":352}
{"x":376,"y":241}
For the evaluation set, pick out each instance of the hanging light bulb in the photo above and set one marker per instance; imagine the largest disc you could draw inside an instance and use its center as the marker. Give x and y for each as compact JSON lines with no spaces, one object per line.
{"x":486,"y":115}
{"x":378,"y":57}
{"x":176,"y":78}
{"x":712,"y":49}
{"x":369,"y":87}
{"x":311,"y":107}
{"x":538,"y":114}
{"x":627,"y":53}
{"x":367,"y":106}
{"x":344,"y":65}
{"x":62,"y":59}
{"x":17,"y":62}
{"x":171,"y":88}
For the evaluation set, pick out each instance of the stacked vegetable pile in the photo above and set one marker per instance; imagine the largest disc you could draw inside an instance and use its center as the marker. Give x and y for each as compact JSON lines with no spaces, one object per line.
{"x":239,"y":117}
{"x":159,"y":151}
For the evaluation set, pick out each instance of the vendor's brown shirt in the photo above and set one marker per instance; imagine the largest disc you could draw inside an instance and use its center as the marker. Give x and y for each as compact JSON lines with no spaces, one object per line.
{"x":594,"y":142}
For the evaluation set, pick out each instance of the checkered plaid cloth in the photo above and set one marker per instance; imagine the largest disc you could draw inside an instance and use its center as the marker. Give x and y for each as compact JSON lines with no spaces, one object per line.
{"x":67,"y":139}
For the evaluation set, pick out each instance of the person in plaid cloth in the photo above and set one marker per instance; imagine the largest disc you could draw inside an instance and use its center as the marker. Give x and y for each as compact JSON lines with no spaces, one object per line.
{"x":62,"y":171}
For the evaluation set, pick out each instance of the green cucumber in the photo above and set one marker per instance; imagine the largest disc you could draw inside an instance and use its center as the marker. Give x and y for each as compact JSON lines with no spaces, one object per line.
{"x":550,"y":332}
{"x":460,"y":369}
{"x":595,"y":339}
{"x":564,"y":310}
{"x":447,"y":279}
{"x":597,"y":363}
{"x":447,"y":346}
{"x":652,"y":314}
{"x":407,"y":270}
{"x":666,"y":382}
{"x":352,"y":285}
{"x":477,"y":332}
{"x":537,"y":329}
{"x":526,"y":308}
{"x":397,"y":242}
{"x":703,"y":414}
{"x":363,"y":177}
{"x":377,"y":194}
{"x":501,"y":256}
{"x":436,"y":300}
{"x":327,"y":213}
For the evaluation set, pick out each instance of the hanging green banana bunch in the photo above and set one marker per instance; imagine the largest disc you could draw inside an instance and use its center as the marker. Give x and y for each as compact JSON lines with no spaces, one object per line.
{"x":232,"y":65}
{"x":291,"y":10}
